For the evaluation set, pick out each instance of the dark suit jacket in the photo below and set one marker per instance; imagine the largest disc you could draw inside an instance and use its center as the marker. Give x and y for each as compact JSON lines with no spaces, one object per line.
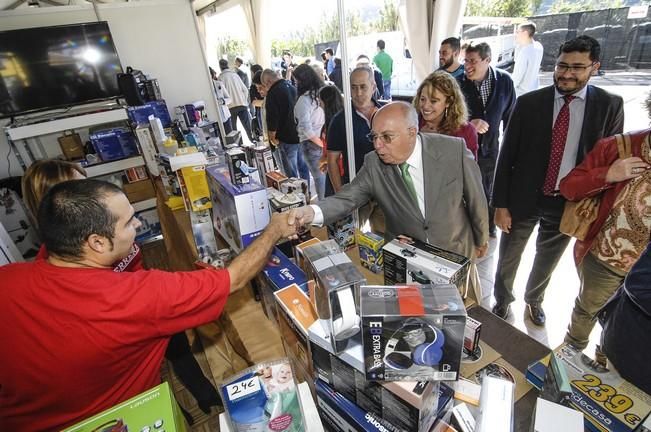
{"x":498,"y":109}
{"x":526,"y":147}
{"x":456,"y":213}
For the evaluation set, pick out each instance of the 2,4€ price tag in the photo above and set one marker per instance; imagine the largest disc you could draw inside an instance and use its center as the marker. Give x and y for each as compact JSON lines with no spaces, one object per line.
{"x":243,"y":388}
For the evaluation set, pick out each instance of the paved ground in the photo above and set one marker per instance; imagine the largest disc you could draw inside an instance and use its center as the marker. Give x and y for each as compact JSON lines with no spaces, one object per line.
{"x":633,"y":86}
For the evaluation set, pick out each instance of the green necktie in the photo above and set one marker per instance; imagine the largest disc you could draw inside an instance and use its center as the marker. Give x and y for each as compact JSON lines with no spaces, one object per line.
{"x":409,"y":182}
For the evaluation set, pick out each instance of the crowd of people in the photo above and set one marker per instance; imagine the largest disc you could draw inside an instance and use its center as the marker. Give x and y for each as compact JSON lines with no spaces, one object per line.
{"x":438,"y":169}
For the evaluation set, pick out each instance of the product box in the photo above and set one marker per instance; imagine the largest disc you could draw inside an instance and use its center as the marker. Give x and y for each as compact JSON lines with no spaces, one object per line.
{"x":139,"y":191}
{"x":204,"y":237}
{"x":412,"y":332}
{"x":471,"y":336}
{"x":552,"y":417}
{"x":264,"y":161}
{"x":370,"y":250}
{"x":556,"y":386}
{"x":275,"y":179}
{"x":135,"y":174}
{"x":281,"y":202}
{"x":496,"y":405}
{"x":153,"y":410}
{"x":194,"y":188}
{"x":149,"y":225}
{"x":336,"y":291}
{"x":607,"y":401}
{"x":139,"y":115}
{"x":297,"y":186}
{"x":405,"y":405}
{"x":299,"y":256}
{"x":148,"y":148}
{"x":237,"y":166}
{"x":419,"y":262}
{"x":263,"y":397}
{"x":295,"y":316}
{"x":113,"y":144}
{"x":240,"y":213}
{"x":343,"y":232}
{"x":71,"y":146}
{"x":280,"y":272}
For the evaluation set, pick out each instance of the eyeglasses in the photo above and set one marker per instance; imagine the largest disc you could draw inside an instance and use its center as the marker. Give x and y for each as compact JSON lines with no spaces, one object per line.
{"x":385,"y":137}
{"x":563,"y":67}
{"x":473,"y":61}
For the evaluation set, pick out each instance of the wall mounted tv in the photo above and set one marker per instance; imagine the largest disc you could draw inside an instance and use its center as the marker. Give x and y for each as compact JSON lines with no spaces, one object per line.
{"x":52,"y":67}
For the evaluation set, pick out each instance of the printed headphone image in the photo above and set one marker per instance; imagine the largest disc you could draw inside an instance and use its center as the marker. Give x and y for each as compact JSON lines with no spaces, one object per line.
{"x":415,"y":343}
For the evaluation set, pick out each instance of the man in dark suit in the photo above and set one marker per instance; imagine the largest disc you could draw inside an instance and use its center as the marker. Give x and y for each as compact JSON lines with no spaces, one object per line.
{"x":490,"y":96}
{"x":550,"y":132}
{"x":428,"y":186}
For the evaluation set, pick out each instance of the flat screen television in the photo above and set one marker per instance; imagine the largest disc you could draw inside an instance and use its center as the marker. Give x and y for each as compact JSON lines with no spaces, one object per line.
{"x":51,"y":67}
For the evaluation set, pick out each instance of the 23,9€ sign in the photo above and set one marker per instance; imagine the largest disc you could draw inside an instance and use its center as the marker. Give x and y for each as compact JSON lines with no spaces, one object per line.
{"x":243,"y":388}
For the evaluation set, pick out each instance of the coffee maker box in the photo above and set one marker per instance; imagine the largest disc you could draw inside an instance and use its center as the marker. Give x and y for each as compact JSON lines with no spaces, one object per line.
{"x":336,"y":291}
{"x":423,"y":263}
{"x":412,"y":332}
{"x":240,"y":212}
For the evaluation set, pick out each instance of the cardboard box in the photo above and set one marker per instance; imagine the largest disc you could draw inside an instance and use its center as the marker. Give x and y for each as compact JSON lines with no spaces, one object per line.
{"x":471,"y":336}
{"x":139,"y":191}
{"x":135,"y":174}
{"x":264,"y":161}
{"x":71,"y":146}
{"x":405,"y":405}
{"x":370,"y":251}
{"x":139,"y":115}
{"x":194,"y":188}
{"x":296,"y":186}
{"x":343,"y":232}
{"x":299,"y":256}
{"x":419,"y":262}
{"x":240,"y":213}
{"x":607,"y":401}
{"x":238,"y":167}
{"x":112,"y":144}
{"x":275,"y":179}
{"x":336,"y":293}
{"x":150,"y":225}
{"x":281,"y":202}
{"x":412,"y":332}
{"x":552,"y":417}
{"x":152,"y":410}
{"x":204,"y":238}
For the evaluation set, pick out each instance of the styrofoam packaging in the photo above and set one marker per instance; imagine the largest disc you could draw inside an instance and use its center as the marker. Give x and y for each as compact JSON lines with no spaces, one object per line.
{"x":240,"y":212}
{"x":412,"y":332}
{"x":419,"y":262}
{"x":336,"y":292}
{"x":236,"y":159}
{"x":263,"y":397}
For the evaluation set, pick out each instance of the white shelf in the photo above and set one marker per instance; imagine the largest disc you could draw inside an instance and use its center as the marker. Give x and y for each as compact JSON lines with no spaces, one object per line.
{"x":144,"y":205}
{"x":111,"y":167}
{"x":67,"y":123}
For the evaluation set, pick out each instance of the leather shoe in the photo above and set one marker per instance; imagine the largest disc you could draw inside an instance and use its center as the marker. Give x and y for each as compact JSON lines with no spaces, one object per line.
{"x":537,"y":314}
{"x":501,"y":310}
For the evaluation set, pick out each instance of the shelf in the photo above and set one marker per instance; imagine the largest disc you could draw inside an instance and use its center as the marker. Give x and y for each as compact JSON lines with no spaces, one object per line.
{"x":68,"y":123}
{"x":111,"y":167}
{"x":144,"y":205}
{"x":151,"y":239}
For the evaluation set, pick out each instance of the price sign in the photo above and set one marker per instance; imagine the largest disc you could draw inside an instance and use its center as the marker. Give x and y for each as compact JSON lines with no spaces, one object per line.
{"x":243,"y":388}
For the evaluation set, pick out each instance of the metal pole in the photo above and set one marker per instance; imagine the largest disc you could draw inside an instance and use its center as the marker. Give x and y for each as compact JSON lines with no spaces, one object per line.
{"x":348,"y":111}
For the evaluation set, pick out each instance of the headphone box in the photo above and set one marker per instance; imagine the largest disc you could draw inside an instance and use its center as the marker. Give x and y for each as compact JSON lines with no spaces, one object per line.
{"x":412,"y":332}
{"x":336,"y":291}
{"x":403,"y":405}
{"x":423,"y":263}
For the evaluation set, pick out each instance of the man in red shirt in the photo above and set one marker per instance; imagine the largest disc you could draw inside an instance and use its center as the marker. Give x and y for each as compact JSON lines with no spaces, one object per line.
{"x":76,"y":337}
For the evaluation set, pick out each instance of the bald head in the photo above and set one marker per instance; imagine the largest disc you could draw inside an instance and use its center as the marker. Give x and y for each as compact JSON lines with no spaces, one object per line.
{"x":395,"y":127}
{"x":268,"y":77}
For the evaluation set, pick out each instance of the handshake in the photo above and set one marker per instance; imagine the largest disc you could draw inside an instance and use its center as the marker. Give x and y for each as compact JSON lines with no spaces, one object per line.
{"x":290,"y":224}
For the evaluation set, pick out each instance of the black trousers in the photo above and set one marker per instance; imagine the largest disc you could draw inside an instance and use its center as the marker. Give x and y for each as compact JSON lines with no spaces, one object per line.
{"x":550,"y":245}
{"x":487,"y":168}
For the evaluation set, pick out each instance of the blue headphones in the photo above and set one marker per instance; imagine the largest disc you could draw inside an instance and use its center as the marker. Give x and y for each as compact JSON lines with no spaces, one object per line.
{"x":416,"y":342}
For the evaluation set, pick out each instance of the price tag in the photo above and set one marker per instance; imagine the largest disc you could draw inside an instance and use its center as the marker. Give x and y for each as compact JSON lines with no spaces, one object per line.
{"x":243,"y":388}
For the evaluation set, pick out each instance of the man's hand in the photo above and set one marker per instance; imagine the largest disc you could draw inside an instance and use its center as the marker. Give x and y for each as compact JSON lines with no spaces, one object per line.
{"x":480,"y":125}
{"x":625,"y":169}
{"x":480,"y":251}
{"x":503,"y":219}
{"x":281,"y":227}
{"x":300,"y":217}
{"x":323,"y":164}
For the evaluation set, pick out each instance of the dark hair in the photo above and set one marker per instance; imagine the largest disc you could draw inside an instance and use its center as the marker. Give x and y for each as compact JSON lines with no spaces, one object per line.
{"x":582,"y":44}
{"x":333,"y":102}
{"x":330,"y":51}
{"x":529,"y":27}
{"x":255,"y":68}
{"x":257,"y":78}
{"x":337,"y":61}
{"x":72,"y":211}
{"x":307,"y":81}
{"x":223,"y":64}
{"x":455,"y":43}
{"x":213,"y":74}
{"x":482,"y":49}
{"x":381,"y":44}
{"x":362,"y":56}
{"x":287,"y":52}
{"x":323,"y":56}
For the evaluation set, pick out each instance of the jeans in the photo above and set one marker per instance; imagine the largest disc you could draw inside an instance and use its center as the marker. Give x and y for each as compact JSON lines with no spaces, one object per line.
{"x":387,"y":89}
{"x":245,"y":118}
{"x":550,"y":245}
{"x":294,"y":163}
{"x":312,"y":155}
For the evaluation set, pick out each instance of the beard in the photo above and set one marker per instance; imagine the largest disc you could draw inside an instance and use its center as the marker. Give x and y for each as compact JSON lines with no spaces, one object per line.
{"x":446,"y":63}
{"x":578,"y":85}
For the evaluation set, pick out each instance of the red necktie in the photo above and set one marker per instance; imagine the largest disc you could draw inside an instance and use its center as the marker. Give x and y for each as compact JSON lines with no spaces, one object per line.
{"x":559,"y":136}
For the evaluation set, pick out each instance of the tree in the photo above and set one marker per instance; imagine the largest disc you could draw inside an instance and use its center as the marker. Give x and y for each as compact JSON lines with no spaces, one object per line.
{"x":564,"y":6}
{"x":502,"y":8}
{"x":388,"y":20}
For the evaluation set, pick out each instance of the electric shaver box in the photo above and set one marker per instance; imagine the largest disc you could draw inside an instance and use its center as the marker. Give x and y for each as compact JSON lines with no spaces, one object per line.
{"x":401,"y":405}
{"x":412,"y":332}
{"x":336,"y":291}
{"x":413,"y":261}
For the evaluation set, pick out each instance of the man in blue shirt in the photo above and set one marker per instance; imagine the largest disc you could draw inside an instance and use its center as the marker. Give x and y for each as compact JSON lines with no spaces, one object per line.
{"x":449,"y":57}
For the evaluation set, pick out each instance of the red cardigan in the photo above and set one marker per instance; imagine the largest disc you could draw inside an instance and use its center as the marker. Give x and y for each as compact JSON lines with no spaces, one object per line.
{"x":467,"y":131}
{"x":589,"y":179}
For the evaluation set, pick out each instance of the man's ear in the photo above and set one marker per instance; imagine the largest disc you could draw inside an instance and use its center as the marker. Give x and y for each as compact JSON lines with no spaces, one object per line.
{"x":98,"y":244}
{"x":595,"y":69}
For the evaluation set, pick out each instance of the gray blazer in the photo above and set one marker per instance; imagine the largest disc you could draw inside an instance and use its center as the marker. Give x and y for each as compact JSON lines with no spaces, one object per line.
{"x":455,"y":205}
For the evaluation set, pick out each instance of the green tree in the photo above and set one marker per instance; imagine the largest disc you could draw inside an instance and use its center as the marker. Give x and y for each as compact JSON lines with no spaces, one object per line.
{"x":231,"y":47}
{"x":388,"y":20}
{"x":564,"y":6}
{"x":502,"y":8}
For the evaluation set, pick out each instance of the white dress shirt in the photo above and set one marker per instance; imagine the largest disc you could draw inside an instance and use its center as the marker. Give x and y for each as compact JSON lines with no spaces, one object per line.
{"x":415,"y":162}
{"x":577,"y":112}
